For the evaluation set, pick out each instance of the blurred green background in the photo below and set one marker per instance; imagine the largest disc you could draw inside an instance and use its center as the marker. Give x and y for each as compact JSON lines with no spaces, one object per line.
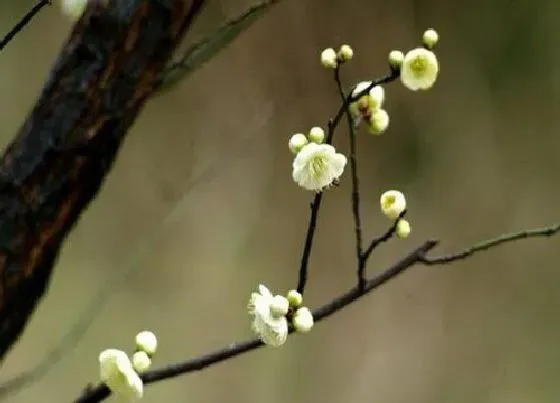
{"x":476,"y":156}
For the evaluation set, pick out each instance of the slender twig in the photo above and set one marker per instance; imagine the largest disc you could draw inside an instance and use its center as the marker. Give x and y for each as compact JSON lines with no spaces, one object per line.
{"x":490,"y":243}
{"x":308,"y":245}
{"x":356,"y":215}
{"x":375,"y":242}
{"x":100,"y":392}
{"x":26,"y":19}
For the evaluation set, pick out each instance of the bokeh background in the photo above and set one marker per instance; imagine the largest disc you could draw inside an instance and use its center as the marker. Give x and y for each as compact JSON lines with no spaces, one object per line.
{"x":200,"y":208}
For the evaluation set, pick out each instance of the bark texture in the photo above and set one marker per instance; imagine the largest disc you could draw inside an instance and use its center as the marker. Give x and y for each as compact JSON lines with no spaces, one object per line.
{"x":57,"y":162}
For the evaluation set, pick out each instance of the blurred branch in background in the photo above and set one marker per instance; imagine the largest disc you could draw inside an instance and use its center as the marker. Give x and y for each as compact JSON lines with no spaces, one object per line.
{"x":57,"y":162}
{"x":207,"y":48}
{"x":26,"y":19}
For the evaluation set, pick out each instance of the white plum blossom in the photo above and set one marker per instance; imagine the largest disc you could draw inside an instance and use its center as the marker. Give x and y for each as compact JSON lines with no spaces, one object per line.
{"x":73,"y":8}
{"x":303,"y":320}
{"x":317,"y":166}
{"x":117,"y":372}
{"x":270,"y":328}
{"x":419,"y":69}
{"x":393,"y":203}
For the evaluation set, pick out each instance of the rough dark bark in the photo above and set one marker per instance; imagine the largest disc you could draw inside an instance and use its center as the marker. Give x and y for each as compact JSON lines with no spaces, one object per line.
{"x":61,"y":155}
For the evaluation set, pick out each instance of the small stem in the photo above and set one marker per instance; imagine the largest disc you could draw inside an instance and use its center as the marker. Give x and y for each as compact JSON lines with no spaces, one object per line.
{"x":315,"y":206}
{"x":490,"y":243}
{"x":26,"y":19}
{"x":383,"y":238}
{"x":355,"y":185}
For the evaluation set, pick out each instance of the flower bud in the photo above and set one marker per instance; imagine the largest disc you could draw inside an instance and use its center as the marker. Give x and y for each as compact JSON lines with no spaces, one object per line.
{"x":317,"y":135}
{"x":146,"y":341}
{"x":329,"y":58}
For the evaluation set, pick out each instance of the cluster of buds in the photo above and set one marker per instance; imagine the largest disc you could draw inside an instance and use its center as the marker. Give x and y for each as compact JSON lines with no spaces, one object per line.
{"x":121,"y":373}
{"x":331,"y":59}
{"x":393,"y":205}
{"x":316,"y":165}
{"x":368,"y":107}
{"x":272,"y":315}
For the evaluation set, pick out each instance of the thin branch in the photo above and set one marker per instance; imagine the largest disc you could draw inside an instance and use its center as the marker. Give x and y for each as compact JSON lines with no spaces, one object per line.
{"x":308,"y":245}
{"x":355,"y":184}
{"x":383,"y":238}
{"x":101,"y":392}
{"x":490,"y":243}
{"x":26,"y":19}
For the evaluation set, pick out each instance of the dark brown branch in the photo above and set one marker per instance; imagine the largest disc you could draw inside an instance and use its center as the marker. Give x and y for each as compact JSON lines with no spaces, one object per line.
{"x":61,"y":155}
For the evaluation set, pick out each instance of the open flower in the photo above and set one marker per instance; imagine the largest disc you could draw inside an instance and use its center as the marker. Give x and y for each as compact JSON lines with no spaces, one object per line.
{"x":117,"y":373}
{"x":317,"y":166}
{"x":419,"y":69}
{"x":271,"y":327}
{"x":393,"y":203}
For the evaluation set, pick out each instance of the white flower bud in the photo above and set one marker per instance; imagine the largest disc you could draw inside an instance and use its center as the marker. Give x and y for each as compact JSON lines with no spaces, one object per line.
{"x":297,"y":142}
{"x":279,"y":306}
{"x":294,"y":298}
{"x":378,"y":121}
{"x":403,"y":228}
{"x":345,"y":53}
{"x":329,"y":58}
{"x":146,"y":341}
{"x":303,"y":320}
{"x":316,"y":135}
{"x":141,"y":361}
{"x":393,"y":203}
{"x":396,"y":58}
{"x":430,"y":38}
{"x":317,"y":166}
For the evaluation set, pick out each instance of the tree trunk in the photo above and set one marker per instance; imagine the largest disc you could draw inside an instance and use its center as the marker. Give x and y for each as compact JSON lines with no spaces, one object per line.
{"x":57,"y":162}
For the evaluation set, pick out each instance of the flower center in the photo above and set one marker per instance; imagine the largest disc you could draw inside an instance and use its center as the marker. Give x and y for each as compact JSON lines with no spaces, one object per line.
{"x":318,"y":165}
{"x":418,"y":66}
{"x":389,"y":201}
